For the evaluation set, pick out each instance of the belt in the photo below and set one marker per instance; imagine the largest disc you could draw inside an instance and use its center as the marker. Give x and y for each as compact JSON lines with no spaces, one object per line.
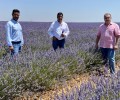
{"x":16,"y":42}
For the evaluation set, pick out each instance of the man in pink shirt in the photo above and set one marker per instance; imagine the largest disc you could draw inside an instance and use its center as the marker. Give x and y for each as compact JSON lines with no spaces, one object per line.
{"x":107,"y":39}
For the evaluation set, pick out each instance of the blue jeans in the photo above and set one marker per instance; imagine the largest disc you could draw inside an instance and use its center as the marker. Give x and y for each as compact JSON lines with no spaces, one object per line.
{"x":17,"y":48}
{"x":58,"y":43}
{"x":109,"y":55}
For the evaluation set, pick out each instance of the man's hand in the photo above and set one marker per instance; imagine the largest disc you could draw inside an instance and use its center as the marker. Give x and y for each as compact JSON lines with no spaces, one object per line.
{"x":96,"y":46}
{"x":115,"y":47}
{"x":54,"y":38}
{"x":62,"y":35}
{"x":11,"y":48}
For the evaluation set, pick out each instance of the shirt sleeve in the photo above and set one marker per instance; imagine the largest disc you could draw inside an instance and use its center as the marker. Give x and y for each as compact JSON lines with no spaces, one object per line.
{"x":8,"y":31}
{"x":66,"y":32}
{"x":50,"y":30}
{"x":117,"y":31}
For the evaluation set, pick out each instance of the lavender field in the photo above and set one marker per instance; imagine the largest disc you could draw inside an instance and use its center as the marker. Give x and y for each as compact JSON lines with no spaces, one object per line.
{"x":39,"y":67}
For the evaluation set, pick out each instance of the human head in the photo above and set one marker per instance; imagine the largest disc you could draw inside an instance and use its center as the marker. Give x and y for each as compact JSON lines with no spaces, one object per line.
{"x":107,"y":18}
{"x":60,"y":17}
{"x":15,"y":14}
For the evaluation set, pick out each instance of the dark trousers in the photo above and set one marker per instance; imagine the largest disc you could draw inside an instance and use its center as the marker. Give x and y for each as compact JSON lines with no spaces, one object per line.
{"x":58,"y":43}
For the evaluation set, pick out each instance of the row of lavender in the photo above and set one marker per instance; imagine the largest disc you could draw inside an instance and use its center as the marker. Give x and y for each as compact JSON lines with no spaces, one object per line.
{"x":38,"y":67}
{"x":97,"y":88}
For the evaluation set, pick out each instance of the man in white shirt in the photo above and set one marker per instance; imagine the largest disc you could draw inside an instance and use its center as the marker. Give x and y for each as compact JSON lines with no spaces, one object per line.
{"x":58,"y":31}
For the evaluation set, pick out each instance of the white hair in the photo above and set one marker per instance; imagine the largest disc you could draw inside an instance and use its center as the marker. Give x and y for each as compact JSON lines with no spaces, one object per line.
{"x":106,"y":14}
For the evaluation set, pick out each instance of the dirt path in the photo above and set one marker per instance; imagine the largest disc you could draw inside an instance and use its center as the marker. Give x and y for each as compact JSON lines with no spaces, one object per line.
{"x":69,"y":85}
{"x":48,"y":95}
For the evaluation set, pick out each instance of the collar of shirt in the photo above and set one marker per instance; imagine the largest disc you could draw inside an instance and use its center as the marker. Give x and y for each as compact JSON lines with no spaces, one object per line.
{"x":60,"y":23}
{"x":15,"y":22}
{"x":111,"y":23}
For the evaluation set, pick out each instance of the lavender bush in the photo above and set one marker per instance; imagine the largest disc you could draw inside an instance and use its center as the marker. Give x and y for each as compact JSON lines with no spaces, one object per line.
{"x":97,"y":88}
{"x":39,"y":67}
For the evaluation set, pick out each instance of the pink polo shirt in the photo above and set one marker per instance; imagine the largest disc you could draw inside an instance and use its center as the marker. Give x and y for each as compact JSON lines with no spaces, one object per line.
{"x":107,"y":35}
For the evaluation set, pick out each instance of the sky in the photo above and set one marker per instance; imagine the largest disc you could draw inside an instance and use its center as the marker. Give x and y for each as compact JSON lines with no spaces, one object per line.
{"x":73,"y":10}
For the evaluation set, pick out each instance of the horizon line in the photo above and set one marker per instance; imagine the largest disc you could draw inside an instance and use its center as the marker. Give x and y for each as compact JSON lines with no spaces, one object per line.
{"x":65,"y":21}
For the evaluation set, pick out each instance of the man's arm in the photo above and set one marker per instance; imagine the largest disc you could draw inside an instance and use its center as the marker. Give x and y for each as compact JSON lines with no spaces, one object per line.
{"x":9,"y":41}
{"x":116,"y":40}
{"x":116,"y":43}
{"x":22,"y":40}
{"x":98,"y":37}
{"x":117,"y":35}
{"x":66,"y":32}
{"x":21,"y":36}
{"x":97,"y":41}
{"x":50,"y":30}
